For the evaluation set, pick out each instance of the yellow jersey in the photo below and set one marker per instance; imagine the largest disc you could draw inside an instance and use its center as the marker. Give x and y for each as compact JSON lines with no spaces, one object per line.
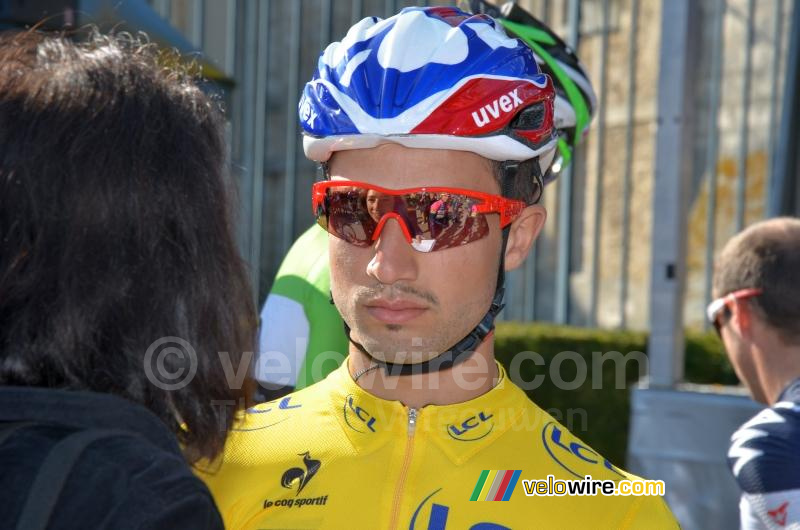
{"x":334,"y":456}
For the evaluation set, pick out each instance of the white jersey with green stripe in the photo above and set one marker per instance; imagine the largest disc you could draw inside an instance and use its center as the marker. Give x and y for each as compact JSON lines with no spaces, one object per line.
{"x":334,"y":456}
{"x":302,"y":338}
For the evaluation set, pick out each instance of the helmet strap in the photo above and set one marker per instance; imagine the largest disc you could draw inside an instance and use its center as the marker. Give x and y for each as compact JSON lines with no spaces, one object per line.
{"x":459,"y":352}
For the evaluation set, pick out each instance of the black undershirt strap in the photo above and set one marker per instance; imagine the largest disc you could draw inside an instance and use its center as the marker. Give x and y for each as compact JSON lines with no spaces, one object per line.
{"x":464,"y":348}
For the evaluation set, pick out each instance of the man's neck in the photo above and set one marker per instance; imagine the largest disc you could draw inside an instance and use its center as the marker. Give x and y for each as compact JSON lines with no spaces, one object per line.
{"x":463,"y":382}
{"x":779,"y":366}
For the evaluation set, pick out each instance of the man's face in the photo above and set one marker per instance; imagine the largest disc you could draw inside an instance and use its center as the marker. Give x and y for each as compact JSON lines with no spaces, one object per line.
{"x":399,"y":301}
{"x":740,"y":355}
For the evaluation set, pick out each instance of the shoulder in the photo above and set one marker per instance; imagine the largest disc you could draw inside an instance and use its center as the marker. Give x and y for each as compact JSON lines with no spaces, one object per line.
{"x":573,"y":459}
{"x":765,"y":452}
{"x":162,"y":492}
{"x":270,"y":442}
{"x":120,"y":481}
{"x":539,"y":448}
{"x":538,"y":440}
{"x":147,"y":472}
{"x":549,"y":440}
{"x":269,"y":433}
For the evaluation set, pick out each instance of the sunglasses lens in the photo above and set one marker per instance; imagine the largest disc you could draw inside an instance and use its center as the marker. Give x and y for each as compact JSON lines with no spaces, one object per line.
{"x":433,"y":221}
{"x":452,"y":221}
{"x":344,"y":216}
{"x":720,"y":319}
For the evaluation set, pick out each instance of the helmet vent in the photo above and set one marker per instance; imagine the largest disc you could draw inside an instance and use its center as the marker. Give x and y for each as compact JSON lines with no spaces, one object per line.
{"x":530,"y":119}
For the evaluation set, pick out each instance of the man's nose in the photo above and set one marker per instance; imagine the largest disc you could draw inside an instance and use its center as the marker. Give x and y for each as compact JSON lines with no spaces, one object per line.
{"x":394,"y":260}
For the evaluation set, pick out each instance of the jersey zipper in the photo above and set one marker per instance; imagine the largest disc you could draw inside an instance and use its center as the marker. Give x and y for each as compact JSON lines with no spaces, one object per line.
{"x":401,"y":481}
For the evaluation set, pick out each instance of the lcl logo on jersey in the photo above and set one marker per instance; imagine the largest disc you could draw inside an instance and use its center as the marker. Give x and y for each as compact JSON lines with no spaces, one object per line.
{"x":431,"y":515}
{"x":566,"y":452}
{"x":285,"y":404}
{"x":472,"y":428}
{"x":356,"y":417}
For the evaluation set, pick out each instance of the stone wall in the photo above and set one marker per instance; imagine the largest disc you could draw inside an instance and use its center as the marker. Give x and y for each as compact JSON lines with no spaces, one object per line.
{"x":643,"y":156}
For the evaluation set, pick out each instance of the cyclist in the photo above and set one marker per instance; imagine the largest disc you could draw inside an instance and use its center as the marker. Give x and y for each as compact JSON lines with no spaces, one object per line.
{"x":756,"y":316}
{"x":300,"y":325}
{"x":406,"y":432}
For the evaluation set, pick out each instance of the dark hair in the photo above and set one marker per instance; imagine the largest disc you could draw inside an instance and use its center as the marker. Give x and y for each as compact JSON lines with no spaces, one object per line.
{"x":526,"y":185}
{"x":766,"y":256}
{"x":116,"y":229}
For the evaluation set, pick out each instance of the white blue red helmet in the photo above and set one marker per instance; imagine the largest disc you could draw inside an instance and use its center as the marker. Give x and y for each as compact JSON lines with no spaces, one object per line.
{"x":435,"y":78}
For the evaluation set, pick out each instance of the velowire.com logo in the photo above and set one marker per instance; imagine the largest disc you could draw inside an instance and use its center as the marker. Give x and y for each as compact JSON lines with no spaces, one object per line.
{"x":494,"y":485}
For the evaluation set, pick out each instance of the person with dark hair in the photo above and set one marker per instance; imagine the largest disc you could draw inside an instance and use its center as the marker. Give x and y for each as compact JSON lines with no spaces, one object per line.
{"x":120,"y":282}
{"x":757,"y":315}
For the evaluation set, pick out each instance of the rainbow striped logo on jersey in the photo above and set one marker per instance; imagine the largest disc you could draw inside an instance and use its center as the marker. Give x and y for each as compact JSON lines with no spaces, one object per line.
{"x":494,"y":485}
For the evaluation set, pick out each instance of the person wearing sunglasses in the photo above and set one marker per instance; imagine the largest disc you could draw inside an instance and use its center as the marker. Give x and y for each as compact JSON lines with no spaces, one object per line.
{"x":757,"y":284}
{"x":421,"y":420}
{"x":301,"y":339}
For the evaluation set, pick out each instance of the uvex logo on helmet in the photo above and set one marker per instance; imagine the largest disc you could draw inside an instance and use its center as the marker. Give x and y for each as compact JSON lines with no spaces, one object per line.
{"x":504,"y":104}
{"x":486,"y":104}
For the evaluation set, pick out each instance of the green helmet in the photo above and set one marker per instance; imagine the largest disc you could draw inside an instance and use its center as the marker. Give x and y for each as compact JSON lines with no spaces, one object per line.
{"x":576,"y":101}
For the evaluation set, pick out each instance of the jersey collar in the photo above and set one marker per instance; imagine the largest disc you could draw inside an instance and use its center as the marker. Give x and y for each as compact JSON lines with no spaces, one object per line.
{"x":461,"y":430}
{"x":791,"y":393}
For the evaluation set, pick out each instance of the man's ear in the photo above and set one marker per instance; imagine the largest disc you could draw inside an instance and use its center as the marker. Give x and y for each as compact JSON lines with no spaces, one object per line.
{"x":742,"y":317}
{"x":524,"y":231}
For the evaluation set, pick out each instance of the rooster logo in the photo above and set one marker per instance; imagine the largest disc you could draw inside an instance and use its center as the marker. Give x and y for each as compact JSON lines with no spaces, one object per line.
{"x":297,"y":474}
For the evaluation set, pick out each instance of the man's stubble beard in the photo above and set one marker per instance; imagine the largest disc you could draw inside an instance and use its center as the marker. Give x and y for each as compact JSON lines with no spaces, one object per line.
{"x":410,"y":344}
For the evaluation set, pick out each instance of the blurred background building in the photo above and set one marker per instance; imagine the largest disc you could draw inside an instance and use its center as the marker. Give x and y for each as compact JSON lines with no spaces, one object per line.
{"x":695,"y":138}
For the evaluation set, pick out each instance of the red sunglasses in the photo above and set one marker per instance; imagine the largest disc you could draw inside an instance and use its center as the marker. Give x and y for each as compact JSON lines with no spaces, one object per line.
{"x":432,"y":218}
{"x":721,"y":306}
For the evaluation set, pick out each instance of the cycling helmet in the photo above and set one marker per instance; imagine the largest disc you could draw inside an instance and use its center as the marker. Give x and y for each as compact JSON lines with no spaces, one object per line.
{"x":576,"y":101}
{"x":435,"y":78}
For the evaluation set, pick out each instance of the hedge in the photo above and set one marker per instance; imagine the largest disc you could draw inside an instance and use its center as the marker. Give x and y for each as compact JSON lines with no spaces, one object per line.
{"x":599,"y":416}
